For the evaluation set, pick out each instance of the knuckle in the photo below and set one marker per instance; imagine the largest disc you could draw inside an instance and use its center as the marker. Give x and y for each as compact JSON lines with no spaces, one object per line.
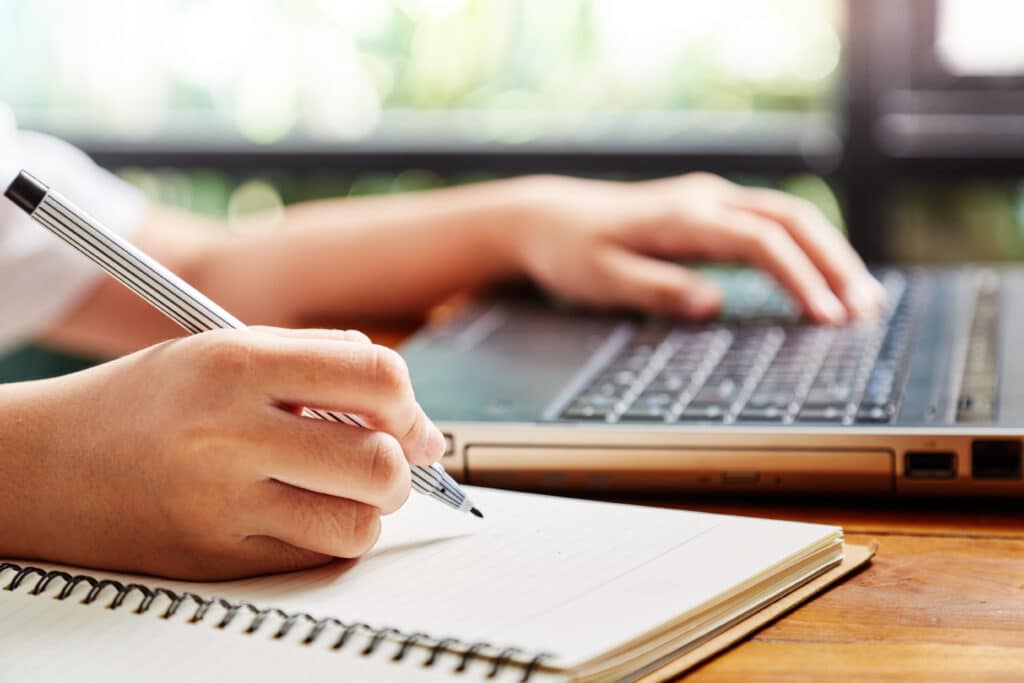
{"x":664,"y":296}
{"x":356,"y":336}
{"x":387,"y":461}
{"x":279,"y":557}
{"x":805,"y":212}
{"x":746,"y":238}
{"x":769,"y":238}
{"x":685,"y":213}
{"x":702,"y":177}
{"x":336,"y":526}
{"x":401,"y":496}
{"x":224,"y":354}
{"x":390,"y":373}
{"x":399,"y":491}
{"x":803,"y":205}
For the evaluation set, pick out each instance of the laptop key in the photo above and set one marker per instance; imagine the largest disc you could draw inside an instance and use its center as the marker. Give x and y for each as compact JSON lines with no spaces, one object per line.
{"x":716,"y":392}
{"x":644,"y":413}
{"x":669,"y":382}
{"x":587,"y":412}
{"x":712,"y":413}
{"x":597,"y":401}
{"x":768,"y":399}
{"x":824,"y":396}
{"x":870,"y":402}
{"x":632,"y":364}
{"x":650,"y":405}
{"x":605,"y":389}
{"x":834,"y":413}
{"x":657,"y":398}
{"x":876,"y":414}
{"x":766,"y":414}
{"x":624,"y":378}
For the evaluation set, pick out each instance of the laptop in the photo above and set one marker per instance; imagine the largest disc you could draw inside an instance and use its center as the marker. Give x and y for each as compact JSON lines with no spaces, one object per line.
{"x":532,"y":394}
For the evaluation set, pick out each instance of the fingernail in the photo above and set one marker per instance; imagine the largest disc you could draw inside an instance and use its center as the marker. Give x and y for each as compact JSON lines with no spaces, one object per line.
{"x":881,"y":295}
{"x":827,"y":306}
{"x":862,"y":300}
{"x":436,"y":444}
{"x":700,"y":301}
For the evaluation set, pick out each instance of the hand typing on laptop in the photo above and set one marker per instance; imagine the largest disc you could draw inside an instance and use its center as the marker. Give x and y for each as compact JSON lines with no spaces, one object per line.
{"x":609,"y":244}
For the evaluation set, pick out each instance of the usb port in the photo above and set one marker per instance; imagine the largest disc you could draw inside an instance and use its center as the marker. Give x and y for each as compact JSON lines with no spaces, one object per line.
{"x":996,"y":459}
{"x":929,"y":464}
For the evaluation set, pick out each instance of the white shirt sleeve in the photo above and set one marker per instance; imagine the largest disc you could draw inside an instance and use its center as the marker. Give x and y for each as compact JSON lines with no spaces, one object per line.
{"x":41,"y":278}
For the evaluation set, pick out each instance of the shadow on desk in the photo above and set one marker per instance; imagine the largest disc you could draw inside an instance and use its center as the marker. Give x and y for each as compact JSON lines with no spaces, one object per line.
{"x":863,"y":514}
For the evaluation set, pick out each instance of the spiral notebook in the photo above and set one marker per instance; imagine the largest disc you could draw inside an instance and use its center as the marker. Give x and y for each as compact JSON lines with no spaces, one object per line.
{"x":544,"y":588}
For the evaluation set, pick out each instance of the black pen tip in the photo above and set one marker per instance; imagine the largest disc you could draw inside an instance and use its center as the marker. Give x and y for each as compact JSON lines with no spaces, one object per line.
{"x":477,"y":513}
{"x":26,"y":191}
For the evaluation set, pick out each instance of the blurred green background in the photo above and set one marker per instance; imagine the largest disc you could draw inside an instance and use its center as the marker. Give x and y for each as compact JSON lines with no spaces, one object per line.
{"x":329,"y":70}
{"x":508,"y":72}
{"x":339,"y":71}
{"x":683,"y":78}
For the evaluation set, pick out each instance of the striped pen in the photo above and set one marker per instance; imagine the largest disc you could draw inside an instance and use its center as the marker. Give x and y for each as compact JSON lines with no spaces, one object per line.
{"x":176,"y":299}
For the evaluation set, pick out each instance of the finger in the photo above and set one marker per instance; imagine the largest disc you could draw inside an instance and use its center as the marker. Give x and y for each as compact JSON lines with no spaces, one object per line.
{"x":253,"y":556}
{"x":364,"y":379}
{"x":824,"y":244}
{"x":708,"y":182}
{"x":314,"y":333}
{"x":274,"y":556}
{"x":310,"y":333}
{"x":331,"y":458}
{"x":767,"y":244}
{"x":635,"y":281}
{"x":316,"y":522}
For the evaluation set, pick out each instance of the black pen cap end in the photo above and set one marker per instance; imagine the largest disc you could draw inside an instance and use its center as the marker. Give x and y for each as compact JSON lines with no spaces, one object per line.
{"x":26,"y":191}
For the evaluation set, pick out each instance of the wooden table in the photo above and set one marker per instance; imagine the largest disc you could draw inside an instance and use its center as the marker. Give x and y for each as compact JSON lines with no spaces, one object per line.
{"x":942,"y":600}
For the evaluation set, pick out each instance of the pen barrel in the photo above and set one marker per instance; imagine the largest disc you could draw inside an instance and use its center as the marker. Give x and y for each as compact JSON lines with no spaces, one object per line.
{"x":123,"y":261}
{"x":177,"y":299}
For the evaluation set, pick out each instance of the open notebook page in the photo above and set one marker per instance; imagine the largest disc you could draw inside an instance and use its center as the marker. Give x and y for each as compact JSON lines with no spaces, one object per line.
{"x":571,"y":577}
{"x":45,"y":640}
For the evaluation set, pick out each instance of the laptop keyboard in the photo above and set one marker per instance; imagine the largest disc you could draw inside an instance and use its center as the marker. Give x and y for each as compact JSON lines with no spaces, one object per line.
{"x":756,"y":372}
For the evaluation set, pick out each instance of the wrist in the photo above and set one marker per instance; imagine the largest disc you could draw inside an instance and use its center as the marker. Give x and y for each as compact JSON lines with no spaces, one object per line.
{"x":526,"y":211}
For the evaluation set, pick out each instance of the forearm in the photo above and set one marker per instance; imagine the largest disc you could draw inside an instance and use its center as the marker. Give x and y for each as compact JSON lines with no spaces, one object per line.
{"x":371,"y":258}
{"x":111,"y":320}
{"x":337,"y":260}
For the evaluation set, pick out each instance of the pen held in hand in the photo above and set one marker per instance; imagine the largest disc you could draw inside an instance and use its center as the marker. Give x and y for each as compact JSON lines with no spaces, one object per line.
{"x":176,"y":299}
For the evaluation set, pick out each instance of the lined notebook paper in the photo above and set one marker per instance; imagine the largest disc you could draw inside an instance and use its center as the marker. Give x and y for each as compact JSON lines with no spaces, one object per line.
{"x":600,"y":590}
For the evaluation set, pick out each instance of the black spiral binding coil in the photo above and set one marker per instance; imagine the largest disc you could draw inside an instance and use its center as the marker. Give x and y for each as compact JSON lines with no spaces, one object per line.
{"x":465,"y":651}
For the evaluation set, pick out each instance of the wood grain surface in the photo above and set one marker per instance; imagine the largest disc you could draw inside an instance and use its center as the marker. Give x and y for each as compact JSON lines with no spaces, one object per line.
{"x":942,"y":600}
{"x":941,"y":604}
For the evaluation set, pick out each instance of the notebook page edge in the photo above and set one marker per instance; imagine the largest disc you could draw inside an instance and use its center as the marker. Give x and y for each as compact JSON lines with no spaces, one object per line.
{"x":677,"y":639}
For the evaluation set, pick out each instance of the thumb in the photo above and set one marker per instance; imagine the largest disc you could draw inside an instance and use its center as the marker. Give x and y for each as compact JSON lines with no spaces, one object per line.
{"x":638,"y":281}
